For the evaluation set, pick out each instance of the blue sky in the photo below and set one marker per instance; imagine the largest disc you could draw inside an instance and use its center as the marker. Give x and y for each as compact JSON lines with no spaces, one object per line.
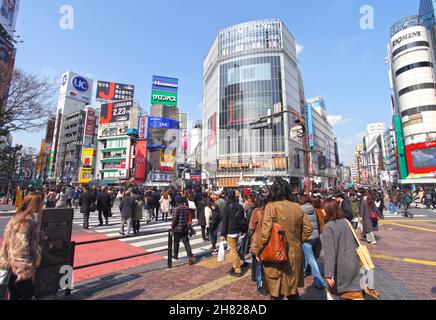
{"x":128,"y":41}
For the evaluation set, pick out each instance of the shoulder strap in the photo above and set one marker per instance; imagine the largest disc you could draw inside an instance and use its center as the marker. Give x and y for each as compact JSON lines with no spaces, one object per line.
{"x":353,"y":232}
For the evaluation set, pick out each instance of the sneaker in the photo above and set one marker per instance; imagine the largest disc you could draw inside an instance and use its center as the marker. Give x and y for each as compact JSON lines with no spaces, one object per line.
{"x":374,"y":242}
{"x":175,"y":258}
{"x":214,"y":252}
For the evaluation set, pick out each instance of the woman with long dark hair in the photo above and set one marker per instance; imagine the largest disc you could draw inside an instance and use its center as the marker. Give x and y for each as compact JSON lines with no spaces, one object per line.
{"x":341,"y":262}
{"x":284,"y":279}
{"x":20,"y":251}
{"x":369,"y":213}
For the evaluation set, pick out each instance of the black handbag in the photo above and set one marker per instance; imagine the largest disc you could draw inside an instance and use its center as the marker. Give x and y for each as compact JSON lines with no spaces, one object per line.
{"x":93,"y":207}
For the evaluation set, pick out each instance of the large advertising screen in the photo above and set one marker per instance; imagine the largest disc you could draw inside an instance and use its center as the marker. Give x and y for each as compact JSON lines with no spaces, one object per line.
{"x":162,"y":138}
{"x":162,"y":123}
{"x":87,"y":157}
{"x":8,"y":14}
{"x":114,"y":91}
{"x":421,"y":158}
{"x":115,"y":112}
{"x":425,"y":158}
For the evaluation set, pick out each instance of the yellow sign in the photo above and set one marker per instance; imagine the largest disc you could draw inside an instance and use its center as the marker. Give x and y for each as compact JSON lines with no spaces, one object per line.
{"x":85,"y":175}
{"x":87,"y":157}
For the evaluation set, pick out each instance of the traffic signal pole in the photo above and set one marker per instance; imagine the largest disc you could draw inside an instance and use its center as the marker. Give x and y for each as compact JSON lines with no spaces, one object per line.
{"x":299,"y":120}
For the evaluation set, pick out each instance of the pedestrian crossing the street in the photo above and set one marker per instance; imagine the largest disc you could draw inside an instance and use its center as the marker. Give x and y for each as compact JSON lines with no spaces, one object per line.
{"x":147,"y":242}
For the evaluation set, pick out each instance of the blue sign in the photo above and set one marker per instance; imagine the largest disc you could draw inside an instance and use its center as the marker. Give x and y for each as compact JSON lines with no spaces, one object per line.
{"x":80,"y":84}
{"x":310,"y":133}
{"x":165,"y":84}
{"x":162,"y":123}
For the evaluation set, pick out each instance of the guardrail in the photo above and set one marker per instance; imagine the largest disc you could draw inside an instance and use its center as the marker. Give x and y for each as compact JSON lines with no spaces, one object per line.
{"x":76,"y":244}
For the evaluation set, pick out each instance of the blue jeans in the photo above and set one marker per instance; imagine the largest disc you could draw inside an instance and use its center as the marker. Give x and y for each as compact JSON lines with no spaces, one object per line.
{"x":309,"y":258}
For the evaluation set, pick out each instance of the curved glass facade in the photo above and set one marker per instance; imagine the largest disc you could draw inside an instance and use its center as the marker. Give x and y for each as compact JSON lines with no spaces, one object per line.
{"x":248,"y":89}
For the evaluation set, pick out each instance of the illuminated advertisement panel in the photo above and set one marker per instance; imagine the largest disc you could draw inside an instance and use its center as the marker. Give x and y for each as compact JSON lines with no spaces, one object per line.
{"x":421,"y":158}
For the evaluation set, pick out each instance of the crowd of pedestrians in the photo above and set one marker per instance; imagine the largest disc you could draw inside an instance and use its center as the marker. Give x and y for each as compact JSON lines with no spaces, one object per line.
{"x":315,"y":232}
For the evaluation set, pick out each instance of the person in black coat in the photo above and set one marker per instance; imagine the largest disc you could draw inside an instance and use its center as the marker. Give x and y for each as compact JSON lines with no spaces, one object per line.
{"x":180,"y":226}
{"x":231,"y":219}
{"x":86,"y":202}
{"x":202,"y":217}
{"x":345,"y":205}
{"x":156,"y":203}
{"x":103,"y":206}
{"x":127,"y":208}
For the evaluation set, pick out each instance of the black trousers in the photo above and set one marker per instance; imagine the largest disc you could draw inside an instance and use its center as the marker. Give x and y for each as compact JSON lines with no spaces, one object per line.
{"x":136,"y":226}
{"x":213,"y":235}
{"x":23,"y":290}
{"x":203,"y":233}
{"x":185,"y":239}
{"x":86,"y":220}
{"x":101,"y":214}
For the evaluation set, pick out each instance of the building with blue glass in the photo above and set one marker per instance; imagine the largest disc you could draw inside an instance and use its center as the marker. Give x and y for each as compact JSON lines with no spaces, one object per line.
{"x":252,"y":70}
{"x":427,"y":9}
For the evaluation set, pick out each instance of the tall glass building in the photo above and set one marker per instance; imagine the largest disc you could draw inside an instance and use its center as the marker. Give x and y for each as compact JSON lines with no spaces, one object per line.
{"x":427,"y":10}
{"x":251,"y":71}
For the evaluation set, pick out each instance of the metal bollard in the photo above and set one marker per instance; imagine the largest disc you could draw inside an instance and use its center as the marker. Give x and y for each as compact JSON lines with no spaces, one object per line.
{"x":170,"y":249}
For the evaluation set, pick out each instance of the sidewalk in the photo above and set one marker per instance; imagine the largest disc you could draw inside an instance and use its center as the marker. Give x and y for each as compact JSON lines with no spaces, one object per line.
{"x":405,"y":262}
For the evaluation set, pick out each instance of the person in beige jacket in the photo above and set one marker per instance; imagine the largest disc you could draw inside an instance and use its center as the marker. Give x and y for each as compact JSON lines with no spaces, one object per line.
{"x":284,"y":279}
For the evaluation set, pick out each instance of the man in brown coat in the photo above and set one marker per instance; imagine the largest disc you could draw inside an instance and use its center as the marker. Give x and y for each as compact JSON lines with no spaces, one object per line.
{"x":284,"y":279}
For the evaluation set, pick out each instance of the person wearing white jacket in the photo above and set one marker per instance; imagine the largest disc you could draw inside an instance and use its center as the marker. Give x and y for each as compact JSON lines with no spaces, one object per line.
{"x":165,"y":205}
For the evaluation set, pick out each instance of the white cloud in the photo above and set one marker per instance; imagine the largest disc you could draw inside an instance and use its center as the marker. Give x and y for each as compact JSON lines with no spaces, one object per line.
{"x":300,"y":49}
{"x":337,"y":120}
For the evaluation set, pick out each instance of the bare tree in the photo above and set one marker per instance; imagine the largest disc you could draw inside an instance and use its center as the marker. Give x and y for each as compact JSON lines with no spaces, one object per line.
{"x":29,"y":99}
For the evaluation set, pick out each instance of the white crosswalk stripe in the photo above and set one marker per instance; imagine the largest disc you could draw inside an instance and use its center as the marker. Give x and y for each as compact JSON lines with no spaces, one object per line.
{"x":147,"y":242}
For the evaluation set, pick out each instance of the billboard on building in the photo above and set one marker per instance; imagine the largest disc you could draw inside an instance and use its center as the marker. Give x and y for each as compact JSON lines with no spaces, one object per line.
{"x":115,"y":112}
{"x":87,"y":157}
{"x":49,"y":135}
{"x":183,"y":119}
{"x":310,"y":134}
{"x":7,"y":60}
{"x":112,"y":130}
{"x":85,"y":175}
{"x":421,"y":157}
{"x":164,"y":91}
{"x":8,"y":14}
{"x":90,"y":123}
{"x":165,"y":98}
{"x":168,"y":160}
{"x":165,"y":84}
{"x":143,"y":128}
{"x":162,"y":132}
{"x":75,"y":86}
{"x":141,"y":160}
{"x":211,"y":127}
{"x":114,"y":91}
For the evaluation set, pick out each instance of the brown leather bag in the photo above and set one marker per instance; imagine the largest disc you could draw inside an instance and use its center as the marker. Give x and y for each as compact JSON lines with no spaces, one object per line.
{"x":276,"y":251}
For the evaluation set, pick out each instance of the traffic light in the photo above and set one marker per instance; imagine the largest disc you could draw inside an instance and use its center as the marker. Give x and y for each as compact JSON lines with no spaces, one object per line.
{"x":322,"y":163}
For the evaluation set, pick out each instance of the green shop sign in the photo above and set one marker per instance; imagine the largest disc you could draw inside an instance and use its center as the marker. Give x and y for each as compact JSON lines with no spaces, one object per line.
{"x":165,"y":98}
